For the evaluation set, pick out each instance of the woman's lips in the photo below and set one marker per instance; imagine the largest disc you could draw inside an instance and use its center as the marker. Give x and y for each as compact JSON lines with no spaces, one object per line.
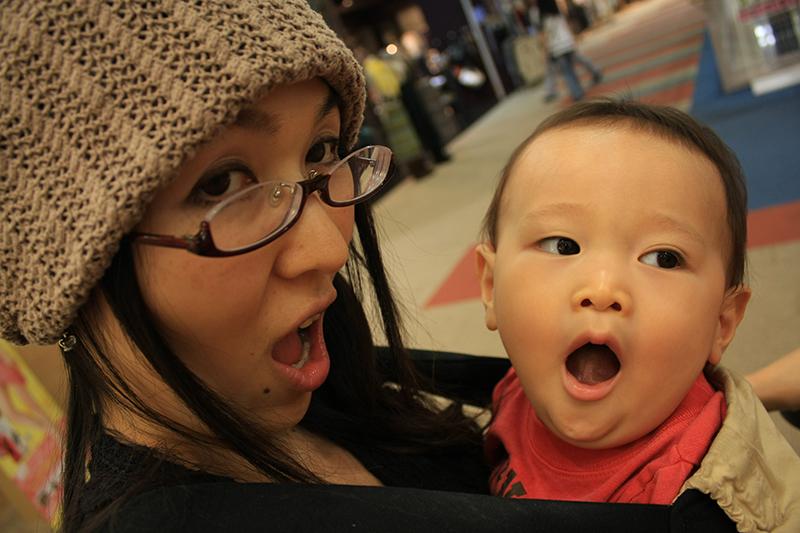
{"x":288,"y":355}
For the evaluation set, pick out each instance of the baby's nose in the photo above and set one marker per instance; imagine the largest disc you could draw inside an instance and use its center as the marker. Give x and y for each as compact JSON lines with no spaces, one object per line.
{"x":603,"y":291}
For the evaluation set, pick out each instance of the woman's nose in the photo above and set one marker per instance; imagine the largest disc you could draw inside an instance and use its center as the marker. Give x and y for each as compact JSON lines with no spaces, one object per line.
{"x":603,"y":290}
{"x":318,"y":241}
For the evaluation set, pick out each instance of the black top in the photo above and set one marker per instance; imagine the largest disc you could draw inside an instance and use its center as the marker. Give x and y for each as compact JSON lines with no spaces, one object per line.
{"x":115,"y":467}
{"x":244,"y":507}
{"x":179,"y":499}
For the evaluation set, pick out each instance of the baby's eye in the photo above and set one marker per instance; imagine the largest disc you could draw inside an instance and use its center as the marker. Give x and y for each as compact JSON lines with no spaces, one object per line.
{"x":559,"y":245}
{"x":219,"y":185}
{"x":662,"y":259}
{"x":323,"y":151}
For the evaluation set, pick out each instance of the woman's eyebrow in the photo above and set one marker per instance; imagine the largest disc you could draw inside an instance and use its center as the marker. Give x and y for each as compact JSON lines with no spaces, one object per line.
{"x":331,"y":102}
{"x":252,"y":118}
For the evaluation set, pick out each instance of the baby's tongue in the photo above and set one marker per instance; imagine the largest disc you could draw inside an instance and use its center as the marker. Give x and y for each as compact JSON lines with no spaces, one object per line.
{"x":288,"y":350}
{"x":593,"y":363}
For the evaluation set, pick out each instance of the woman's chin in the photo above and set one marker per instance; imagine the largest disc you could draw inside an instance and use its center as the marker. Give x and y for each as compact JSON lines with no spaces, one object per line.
{"x":287,"y":413}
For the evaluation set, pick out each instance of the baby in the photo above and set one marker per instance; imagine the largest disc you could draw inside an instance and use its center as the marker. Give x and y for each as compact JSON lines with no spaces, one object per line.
{"x":613,"y":268}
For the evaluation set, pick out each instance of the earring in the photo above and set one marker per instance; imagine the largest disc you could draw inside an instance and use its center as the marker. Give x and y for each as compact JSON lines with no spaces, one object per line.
{"x":67,"y":342}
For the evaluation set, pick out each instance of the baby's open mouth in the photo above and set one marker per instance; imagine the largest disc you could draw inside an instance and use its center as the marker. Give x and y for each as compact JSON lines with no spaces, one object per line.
{"x":593,"y":363}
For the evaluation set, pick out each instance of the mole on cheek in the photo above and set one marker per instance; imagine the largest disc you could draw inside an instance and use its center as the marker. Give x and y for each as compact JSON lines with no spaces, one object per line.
{"x":267,"y":390}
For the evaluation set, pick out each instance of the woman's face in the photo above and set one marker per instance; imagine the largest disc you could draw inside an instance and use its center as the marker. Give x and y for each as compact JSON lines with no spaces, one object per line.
{"x":250,"y":326}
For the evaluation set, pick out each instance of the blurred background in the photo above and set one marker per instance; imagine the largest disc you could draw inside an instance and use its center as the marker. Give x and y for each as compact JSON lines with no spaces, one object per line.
{"x":454,"y":87}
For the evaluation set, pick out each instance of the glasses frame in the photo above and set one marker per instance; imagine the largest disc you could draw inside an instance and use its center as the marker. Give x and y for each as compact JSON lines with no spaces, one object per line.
{"x":202,"y":243}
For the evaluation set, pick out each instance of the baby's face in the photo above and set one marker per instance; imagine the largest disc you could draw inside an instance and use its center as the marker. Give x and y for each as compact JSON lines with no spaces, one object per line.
{"x":608,"y":281}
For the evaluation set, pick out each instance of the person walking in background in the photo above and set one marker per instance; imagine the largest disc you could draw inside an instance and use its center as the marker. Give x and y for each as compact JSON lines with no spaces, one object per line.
{"x":562,"y":52}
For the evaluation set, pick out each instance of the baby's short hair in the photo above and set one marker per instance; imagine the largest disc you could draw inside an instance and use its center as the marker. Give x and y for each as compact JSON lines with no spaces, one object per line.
{"x":665,"y":122}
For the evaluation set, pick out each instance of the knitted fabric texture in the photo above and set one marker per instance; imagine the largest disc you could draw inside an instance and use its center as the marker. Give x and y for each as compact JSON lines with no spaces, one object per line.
{"x":100,"y":101}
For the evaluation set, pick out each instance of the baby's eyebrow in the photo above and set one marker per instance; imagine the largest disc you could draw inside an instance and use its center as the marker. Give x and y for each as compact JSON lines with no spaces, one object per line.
{"x":560,"y":209}
{"x":669,"y":223}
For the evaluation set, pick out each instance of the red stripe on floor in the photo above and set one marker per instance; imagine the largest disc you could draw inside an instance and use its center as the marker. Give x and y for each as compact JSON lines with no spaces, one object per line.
{"x":461,"y":284}
{"x":605,"y":52}
{"x":671,"y":96}
{"x":773,"y":225}
{"x":694,"y":43}
{"x":645,"y":74}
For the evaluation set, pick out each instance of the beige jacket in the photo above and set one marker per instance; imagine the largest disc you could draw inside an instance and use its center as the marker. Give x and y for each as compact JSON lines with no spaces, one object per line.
{"x":750,"y":470}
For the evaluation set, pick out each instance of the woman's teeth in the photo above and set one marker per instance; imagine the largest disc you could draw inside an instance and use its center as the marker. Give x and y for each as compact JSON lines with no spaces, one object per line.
{"x":305,"y":343}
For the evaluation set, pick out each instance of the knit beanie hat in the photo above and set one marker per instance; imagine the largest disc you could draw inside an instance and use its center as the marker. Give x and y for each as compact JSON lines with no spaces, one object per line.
{"x":101,"y":100}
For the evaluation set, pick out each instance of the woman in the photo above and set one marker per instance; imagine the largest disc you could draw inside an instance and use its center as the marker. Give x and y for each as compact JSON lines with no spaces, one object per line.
{"x":129,"y":126}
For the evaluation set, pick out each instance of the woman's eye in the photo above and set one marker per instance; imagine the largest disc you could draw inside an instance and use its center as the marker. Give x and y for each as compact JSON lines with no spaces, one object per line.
{"x":220,"y":185}
{"x":662,"y":259}
{"x":559,"y":246}
{"x":324,"y":151}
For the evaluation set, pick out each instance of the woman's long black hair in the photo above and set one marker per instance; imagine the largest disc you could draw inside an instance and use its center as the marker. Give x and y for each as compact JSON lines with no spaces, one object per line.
{"x":353,"y":405}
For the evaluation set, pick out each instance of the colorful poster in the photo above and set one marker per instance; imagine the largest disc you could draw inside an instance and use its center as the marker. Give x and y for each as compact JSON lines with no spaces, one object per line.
{"x":31,"y":424}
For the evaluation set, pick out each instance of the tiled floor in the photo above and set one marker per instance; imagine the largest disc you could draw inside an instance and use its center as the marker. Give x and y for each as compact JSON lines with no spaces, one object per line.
{"x":430,"y":226}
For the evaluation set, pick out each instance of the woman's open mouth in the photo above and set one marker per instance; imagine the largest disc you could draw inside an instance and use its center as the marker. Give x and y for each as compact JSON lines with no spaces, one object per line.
{"x":590,"y":371}
{"x":305,"y":343}
{"x":295,"y":349}
{"x":302,"y":357}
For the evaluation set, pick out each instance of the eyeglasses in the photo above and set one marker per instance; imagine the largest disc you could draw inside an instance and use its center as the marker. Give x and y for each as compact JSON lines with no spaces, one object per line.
{"x":257,"y":215}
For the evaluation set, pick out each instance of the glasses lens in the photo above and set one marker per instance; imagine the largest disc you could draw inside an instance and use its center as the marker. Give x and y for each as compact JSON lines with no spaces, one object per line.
{"x":360,"y":174}
{"x":254,"y":214}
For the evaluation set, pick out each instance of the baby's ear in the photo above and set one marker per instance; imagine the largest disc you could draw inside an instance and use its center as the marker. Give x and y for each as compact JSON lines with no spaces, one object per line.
{"x":484,"y":255}
{"x":730,"y":315}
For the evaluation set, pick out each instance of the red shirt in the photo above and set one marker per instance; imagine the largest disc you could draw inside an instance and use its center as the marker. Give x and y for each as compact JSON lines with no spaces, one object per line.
{"x":529,"y":461}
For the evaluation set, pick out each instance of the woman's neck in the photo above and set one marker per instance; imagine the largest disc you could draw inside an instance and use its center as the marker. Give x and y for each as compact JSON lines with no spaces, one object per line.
{"x":323,"y":458}
{"x":327,"y":460}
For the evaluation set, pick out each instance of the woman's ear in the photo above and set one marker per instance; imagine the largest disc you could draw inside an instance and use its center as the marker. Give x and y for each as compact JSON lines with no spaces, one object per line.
{"x":484,"y":255}
{"x":730,"y":315}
